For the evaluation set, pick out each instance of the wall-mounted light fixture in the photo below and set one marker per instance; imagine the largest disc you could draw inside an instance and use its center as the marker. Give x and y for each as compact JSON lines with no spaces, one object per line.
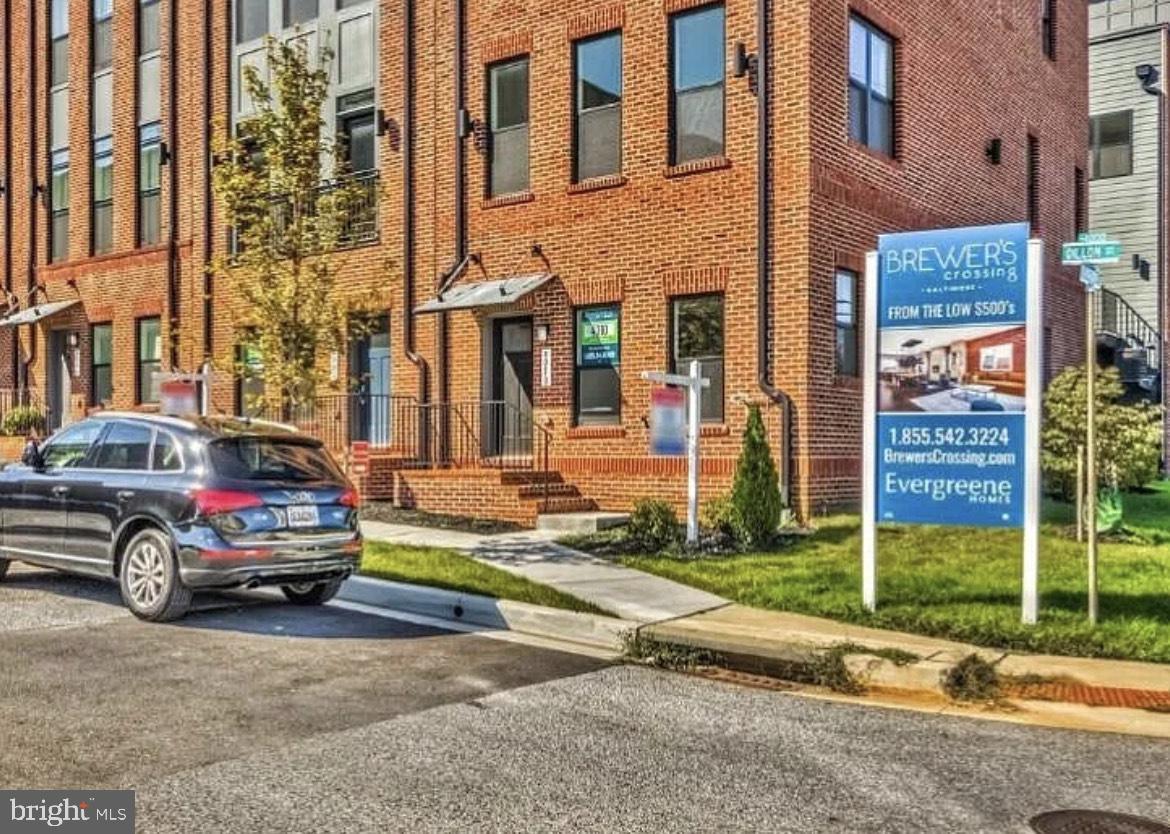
{"x":74,"y":339}
{"x":994,"y":151}
{"x":1149,"y":76}
{"x":542,"y":332}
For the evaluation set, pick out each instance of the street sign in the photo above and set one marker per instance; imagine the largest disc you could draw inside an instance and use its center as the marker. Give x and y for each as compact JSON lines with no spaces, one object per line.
{"x":1091,"y":277}
{"x":1091,"y":249}
{"x":693,"y":384}
{"x":668,"y":422}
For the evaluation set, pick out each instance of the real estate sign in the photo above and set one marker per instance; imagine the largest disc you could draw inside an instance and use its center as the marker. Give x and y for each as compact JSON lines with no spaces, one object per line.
{"x":599,"y":336}
{"x":952,"y":379}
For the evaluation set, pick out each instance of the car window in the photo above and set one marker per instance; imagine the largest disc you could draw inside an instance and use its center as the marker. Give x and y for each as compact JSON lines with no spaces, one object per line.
{"x":68,"y":448}
{"x":126,"y":446}
{"x":166,"y":454}
{"x":262,"y":458}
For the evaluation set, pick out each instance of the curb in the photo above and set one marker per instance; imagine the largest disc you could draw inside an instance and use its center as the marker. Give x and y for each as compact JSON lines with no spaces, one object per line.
{"x":591,"y":630}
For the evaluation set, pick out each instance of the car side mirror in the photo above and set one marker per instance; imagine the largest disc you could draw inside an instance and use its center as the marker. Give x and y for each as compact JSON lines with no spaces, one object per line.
{"x":32,"y":457}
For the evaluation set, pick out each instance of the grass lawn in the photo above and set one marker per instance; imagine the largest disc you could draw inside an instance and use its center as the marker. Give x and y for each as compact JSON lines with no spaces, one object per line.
{"x":456,"y":572}
{"x":964,"y":583}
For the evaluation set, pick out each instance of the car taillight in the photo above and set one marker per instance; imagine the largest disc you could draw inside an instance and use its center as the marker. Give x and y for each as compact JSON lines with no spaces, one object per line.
{"x":350,"y":498}
{"x":217,"y":501}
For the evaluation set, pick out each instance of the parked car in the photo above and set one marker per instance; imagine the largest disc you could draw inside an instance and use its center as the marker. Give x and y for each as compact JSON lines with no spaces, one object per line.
{"x":167,"y":506}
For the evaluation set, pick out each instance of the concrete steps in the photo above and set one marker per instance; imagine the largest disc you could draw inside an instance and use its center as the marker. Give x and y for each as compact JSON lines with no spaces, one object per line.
{"x":580,"y":522}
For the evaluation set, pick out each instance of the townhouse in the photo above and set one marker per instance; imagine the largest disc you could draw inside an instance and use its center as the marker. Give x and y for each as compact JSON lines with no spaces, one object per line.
{"x":565,"y":197}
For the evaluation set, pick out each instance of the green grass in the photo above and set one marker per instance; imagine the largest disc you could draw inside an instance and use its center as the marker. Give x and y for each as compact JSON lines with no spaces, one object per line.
{"x":456,"y":572}
{"x":964,"y":583}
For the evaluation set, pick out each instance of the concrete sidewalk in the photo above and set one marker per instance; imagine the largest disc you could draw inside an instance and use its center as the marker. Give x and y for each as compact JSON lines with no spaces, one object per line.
{"x":625,"y":593}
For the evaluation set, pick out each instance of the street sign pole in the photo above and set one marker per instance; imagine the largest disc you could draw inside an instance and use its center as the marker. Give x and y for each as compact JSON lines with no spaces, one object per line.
{"x":1091,"y":444}
{"x":694,"y":422}
{"x":1033,"y":482}
{"x":869,"y":438}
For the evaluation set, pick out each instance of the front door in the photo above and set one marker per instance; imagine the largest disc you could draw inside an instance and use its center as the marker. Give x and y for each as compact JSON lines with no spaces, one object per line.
{"x":369,"y":361}
{"x":60,"y":380}
{"x":509,"y":417}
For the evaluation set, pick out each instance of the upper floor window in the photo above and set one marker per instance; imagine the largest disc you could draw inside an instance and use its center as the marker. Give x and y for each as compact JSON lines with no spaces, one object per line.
{"x":251,"y":20}
{"x":355,"y":122}
{"x":148,"y":26}
{"x":297,"y":12}
{"x":149,"y":184}
{"x":1048,"y":27}
{"x":149,"y":359}
{"x":103,"y":34}
{"x":871,"y":86}
{"x":103,"y":195}
{"x":697,"y":84}
{"x":1111,"y":145}
{"x":59,"y":32}
{"x":508,"y":117}
{"x":846,"y":323}
{"x":597,"y":64}
{"x":59,"y":206}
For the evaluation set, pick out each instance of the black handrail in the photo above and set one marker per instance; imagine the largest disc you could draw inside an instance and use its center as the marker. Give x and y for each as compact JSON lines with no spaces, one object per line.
{"x":1119,"y":322}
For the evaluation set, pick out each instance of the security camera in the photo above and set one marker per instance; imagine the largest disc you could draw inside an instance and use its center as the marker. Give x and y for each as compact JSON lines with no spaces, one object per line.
{"x":1148,"y":75}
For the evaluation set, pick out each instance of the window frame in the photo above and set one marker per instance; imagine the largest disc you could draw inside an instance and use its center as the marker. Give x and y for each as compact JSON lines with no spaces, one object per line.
{"x":851,"y":368}
{"x":94,"y":365}
{"x":526,"y":125}
{"x":149,"y":138}
{"x":102,"y":152}
{"x":609,"y":420}
{"x":139,"y":362}
{"x":675,"y":362}
{"x":59,"y":237}
{"x":579,"y":109}
{"x":867,"y":90}
{"x":94,"y":460}
{"x":1095,"y":145}
{"x":1048,"y":30}
{"x":673,"y":91}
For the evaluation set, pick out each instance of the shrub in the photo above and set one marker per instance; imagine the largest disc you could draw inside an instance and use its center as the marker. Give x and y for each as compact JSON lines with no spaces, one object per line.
{"x":22,"y":420}
{"x":653,"y":526}
{"x":1128,"y":436}
{"x":718,"y":516}
{"x":756,"y":493}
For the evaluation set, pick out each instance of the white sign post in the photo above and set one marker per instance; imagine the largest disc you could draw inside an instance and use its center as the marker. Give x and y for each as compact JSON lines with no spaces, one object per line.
{"x":693,"y":384}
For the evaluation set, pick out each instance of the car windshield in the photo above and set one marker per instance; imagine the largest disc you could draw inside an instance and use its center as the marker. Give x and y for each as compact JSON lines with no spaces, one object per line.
{"x":264,"y":458}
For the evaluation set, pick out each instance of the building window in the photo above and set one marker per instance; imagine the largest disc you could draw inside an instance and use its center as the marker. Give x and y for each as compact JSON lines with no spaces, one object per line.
{"x":59,"y":32}
{"x":1034,"y":183}
{"x":148,"y":26}
{"x":249,"y":381}
{"x":355,"y":121}
{"x":597,"y":145}
{"x":59,"y":207}
{"x":251,"y":20}
{"x":149,"y":360}
{"x":297,"y":12}
{"x":997,"y":358}
{"x":696,"y":84}
{"x":1048,"y":27}
{"x":597,"y":376}
{"x":355,"y":59}
{"x":1080,"y":220}
{"x":871,"y":86}
{"x":845,"y":317}
{"x":103,"y":195}
{"x":103,"y":34}
{"x":1111,"y":145}
{"x":102,"y":342}
{"x":149,"y":184}
{"x":508,"y":109}
{"x":697,"y":334}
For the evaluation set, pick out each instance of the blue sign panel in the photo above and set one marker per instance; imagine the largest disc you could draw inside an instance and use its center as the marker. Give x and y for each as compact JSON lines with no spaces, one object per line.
{"x":952,"y":353}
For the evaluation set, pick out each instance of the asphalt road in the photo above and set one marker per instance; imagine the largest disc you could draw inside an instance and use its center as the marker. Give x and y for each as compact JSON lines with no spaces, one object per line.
{"x":255,"y":717}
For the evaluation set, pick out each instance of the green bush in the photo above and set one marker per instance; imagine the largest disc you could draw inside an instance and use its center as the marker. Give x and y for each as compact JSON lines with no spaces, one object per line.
{"x":756,"y":493}
{"x":718,"y":515}
{"x":653,"y":526}
{"x":1128,"y":436}
{"x":21,"y":420}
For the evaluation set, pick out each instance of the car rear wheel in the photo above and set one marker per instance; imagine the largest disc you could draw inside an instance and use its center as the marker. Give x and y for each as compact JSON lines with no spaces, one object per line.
{"x":149,"y":579}
{"x":311,"y":593}
{"x":4,"y":563}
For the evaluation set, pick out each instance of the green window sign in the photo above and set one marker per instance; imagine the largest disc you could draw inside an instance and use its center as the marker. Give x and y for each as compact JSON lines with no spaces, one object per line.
{"x":598,"y":337}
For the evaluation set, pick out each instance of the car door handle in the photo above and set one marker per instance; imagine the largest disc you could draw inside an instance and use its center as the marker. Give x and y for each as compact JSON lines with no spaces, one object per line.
{"x":60,"y":490}
{"x":125,"y":494}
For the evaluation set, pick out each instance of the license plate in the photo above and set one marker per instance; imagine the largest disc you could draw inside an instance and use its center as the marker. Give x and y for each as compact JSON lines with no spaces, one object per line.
{"x":303,"y":515}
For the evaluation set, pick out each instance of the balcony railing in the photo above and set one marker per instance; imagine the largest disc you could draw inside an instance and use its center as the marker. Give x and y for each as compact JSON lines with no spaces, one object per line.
{"x":358,"y":227}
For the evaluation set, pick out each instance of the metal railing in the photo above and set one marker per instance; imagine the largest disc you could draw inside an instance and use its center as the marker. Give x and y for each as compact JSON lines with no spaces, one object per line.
{"x":483,"y":433}
{"x":1135,"y":344}
{"x":359,"y":226}
{"x":388,"y":423}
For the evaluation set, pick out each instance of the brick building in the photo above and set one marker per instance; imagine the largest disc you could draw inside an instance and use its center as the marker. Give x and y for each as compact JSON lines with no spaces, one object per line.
{"x":567,"y":196}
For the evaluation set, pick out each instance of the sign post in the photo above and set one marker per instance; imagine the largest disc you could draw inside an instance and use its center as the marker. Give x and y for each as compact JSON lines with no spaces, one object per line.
{"x":664,"y":430}
{"x":1089,"y":251}
{"x":952,"y":388}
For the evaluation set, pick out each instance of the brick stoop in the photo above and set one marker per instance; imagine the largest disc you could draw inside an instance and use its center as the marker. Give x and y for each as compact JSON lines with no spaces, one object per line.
{"x":487,"y":493}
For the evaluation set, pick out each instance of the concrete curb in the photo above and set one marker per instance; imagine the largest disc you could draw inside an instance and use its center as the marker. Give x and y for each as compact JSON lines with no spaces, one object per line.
{"x":489,"y":613}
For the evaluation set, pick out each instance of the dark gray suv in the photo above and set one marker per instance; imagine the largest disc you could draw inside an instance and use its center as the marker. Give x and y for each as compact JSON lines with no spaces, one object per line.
{"x":169,"y":505}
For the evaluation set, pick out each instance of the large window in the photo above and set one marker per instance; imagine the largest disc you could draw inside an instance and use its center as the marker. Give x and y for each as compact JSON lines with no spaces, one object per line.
{"x":871,"y":86}
{"x":149,"y":184}
{"x":251,"y":20}
{"x":1111,"y":145}
{"x":103,"y":195}
{"x":297,"y":12}
{"x":59,"y":131}
{"x":845,"y":319}
{"x":697,"y":84}
{"x":597,"y":147}
{"x":103,"y":34}
{"x":597,"y":376}
{"x":59,"y":207}
{"x":102,"y":386}
{"x":358,"y":135}
{"x":508,"y":106}
{"x":149,"y":359}
{"x":697,"y":334}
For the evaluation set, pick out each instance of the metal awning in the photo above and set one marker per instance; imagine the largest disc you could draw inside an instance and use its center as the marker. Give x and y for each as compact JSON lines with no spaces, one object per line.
{"x":485,"y":293}
{"x":35,"y":314}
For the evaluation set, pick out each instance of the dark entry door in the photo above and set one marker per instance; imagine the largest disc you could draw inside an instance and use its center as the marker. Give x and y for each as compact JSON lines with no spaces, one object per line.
{"x":510,"y":412}
{"x":369,"y":361}
{"x":60,"y":381}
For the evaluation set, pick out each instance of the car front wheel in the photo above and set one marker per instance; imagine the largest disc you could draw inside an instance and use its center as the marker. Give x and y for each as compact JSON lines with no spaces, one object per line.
{"x":311,"y":593}
{"x":149,"y":579}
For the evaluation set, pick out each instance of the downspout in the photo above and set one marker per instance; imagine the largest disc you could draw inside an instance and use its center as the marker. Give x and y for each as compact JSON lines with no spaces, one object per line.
{"x":173,"y":176}
{"x":461,"y":124}
{"x":33,"y":192}
{"x":408,"y":206}
{"x":208,"y":203}
{"x":1159,"y":91}
{"x":6,"y":174}
{"x":763,"y":247}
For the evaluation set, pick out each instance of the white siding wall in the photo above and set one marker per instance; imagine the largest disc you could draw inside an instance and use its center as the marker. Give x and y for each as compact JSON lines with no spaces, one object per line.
{"x":1126,"y":208}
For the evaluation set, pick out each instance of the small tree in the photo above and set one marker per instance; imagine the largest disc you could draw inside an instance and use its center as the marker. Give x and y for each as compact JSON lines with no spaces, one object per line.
{"x":1128,"y":436}
{"x":756,"y":493}
{"x":268,"y":180}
